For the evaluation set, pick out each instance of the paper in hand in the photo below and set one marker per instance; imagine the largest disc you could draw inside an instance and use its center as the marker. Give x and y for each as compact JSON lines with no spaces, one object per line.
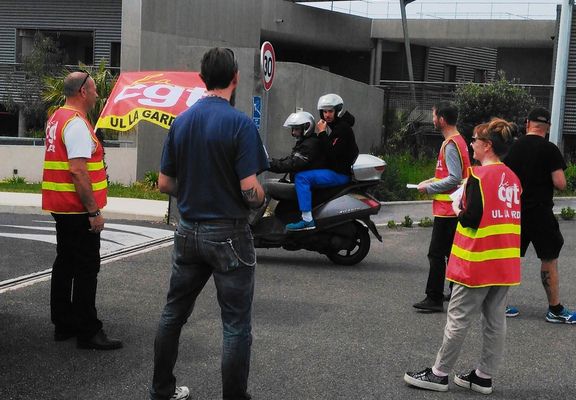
{"x":411,"y":186}
{"x":456,"y":196}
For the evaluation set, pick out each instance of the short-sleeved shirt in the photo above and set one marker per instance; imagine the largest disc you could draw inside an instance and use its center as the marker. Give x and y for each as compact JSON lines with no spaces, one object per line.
{"x":78,"y":140}
{"x":211,"y":147}
{"x":533,"y":159}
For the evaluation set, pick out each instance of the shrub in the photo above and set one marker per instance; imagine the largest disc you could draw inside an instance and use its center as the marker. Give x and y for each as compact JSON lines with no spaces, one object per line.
{"x":570,"y":174}
{"x":15,"y":180}
{"x":392,"y":224}
{"x":407,"y":223}
{"x":426,"y":222}
{"x":567,"y":213}
{"x":151,"y":179}
{"x":500,"y":98}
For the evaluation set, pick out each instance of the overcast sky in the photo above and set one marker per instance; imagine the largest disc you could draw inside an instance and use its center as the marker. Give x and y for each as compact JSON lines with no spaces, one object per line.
{"x":448,"y":9}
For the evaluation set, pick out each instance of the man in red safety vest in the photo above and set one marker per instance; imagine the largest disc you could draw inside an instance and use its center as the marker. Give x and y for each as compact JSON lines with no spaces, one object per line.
{"x":451,"y":169}
{"x":74,"y":188}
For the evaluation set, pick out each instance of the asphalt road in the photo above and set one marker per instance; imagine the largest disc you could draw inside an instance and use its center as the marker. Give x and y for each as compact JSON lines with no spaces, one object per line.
{"x":320,"y":331}
{"x":28,"y":241}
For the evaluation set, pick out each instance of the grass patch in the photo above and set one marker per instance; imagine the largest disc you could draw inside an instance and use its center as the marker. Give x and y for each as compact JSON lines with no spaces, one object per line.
{"x":137,"y":190}
{"x":400,"y":170}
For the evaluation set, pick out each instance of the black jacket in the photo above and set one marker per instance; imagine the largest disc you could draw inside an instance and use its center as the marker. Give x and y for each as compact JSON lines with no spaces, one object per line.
{"x":308,"y":153}
{"x":342,"y":147}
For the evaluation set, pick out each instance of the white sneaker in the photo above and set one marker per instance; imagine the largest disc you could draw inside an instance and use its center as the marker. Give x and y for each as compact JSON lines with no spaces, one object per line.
{"x":181,"y":393}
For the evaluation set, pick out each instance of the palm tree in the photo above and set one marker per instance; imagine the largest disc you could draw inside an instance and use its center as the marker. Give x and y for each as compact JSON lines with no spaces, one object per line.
{"x":53,"y":93}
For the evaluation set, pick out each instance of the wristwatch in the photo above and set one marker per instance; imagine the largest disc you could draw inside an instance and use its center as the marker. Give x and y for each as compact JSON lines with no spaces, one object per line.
{"x":94,"y":214}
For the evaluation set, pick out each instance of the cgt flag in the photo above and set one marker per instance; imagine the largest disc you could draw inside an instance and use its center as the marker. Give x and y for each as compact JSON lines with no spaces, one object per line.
{"x":154,"y":96}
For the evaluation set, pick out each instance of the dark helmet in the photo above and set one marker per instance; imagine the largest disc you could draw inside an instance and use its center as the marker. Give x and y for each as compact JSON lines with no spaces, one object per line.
{"x":331,"y":101}
{"x":301,"y":119}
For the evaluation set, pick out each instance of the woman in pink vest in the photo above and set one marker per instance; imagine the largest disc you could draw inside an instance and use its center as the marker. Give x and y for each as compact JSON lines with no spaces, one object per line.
{"x":484,"y":263}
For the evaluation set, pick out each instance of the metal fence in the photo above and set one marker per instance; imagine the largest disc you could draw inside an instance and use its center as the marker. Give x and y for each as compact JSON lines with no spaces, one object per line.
{"x":429,"y":9}
{"x":414,"y":100}
{"x":407,"y":95}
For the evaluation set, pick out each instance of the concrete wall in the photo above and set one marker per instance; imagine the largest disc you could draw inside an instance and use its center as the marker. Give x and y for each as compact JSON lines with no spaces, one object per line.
{"x":469,"y":33}
{"x":286,"y":22}
{"x":300,"y":86}
{"x":175,"y":38}
{"x":28,"y":160}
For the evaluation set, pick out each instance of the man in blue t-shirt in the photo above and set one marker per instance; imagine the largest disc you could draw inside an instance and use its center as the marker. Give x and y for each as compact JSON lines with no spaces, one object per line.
{"x":209,"y":162}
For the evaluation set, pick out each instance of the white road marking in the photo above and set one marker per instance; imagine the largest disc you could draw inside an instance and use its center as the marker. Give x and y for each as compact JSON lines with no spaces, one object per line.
{"x":113,"y":237}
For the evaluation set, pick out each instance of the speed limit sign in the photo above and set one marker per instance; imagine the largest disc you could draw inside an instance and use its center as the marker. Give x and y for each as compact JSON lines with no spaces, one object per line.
{"x":267,"y":64}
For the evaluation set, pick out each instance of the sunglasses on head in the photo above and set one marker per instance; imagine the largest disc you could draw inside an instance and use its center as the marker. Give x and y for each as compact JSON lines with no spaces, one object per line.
{"x":84,"y":81}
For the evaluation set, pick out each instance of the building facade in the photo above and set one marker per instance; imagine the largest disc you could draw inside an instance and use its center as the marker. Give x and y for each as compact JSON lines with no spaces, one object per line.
{"x":347,"y":50}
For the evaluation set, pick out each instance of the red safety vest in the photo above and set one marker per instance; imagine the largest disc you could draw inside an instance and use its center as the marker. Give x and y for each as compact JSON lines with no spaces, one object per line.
{"x":490,"y":255}
{"x":441,"y":202}
{"x":58,"y":191}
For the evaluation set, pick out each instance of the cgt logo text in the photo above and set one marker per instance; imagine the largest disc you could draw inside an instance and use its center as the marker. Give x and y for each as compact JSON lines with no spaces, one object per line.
{"x":508,"y":194}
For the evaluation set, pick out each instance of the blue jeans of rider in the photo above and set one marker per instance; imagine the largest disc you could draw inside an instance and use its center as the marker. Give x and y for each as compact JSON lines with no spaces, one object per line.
{"x":223,"y":249}
{"x":315,"y":178}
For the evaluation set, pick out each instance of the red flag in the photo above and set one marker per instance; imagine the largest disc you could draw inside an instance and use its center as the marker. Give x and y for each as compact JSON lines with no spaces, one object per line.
{"x":154,"y":96}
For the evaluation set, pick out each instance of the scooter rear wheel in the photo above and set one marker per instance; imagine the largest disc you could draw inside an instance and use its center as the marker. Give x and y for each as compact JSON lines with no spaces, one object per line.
{"x":356,"y":254}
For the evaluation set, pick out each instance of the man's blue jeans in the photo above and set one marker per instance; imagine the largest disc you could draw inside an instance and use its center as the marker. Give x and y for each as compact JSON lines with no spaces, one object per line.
{"x":322,"y":178}
{"x":224,"y":249}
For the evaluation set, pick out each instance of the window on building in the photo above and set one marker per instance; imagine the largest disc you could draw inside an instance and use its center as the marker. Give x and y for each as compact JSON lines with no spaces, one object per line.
{"x":480,"y":75}
{"x":449,"y":73}
{"x":8,"y":122}
{"x":76,"y":46}
{"x":115,"y":54}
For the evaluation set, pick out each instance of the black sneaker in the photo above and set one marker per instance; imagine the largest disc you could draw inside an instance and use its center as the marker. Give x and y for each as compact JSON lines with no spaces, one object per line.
{"x":429,"y":305}
{"x":427,"y":380}
{"x":474,"y":382}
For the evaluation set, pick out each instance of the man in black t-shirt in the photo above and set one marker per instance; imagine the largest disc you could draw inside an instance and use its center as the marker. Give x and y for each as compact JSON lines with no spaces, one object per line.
{"x":540,"y":167}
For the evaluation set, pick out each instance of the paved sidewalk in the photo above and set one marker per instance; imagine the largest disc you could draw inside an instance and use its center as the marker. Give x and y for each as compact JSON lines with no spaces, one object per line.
{"x":117,"y":207}
{"x":156,"y":210}
{"x":397,"y":210}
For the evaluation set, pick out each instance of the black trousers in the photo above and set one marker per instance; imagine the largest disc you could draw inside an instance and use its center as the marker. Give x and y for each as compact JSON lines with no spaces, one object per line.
{"x":75,"y":276}
{"x":438,"y":254}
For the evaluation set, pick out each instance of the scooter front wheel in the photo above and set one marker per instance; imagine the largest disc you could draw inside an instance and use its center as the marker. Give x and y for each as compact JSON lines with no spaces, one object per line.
{"x":355,"y":254}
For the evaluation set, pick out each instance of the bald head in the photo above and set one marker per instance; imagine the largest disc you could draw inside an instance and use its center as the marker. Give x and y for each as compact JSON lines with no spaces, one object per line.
{"x":73,"y":83}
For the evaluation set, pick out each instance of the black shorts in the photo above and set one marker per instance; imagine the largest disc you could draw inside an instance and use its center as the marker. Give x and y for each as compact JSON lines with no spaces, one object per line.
{"x":540,"y":226}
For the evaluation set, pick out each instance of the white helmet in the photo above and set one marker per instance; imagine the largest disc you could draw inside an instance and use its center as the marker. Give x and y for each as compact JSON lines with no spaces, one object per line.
{"x":331,"y":101}
{"x":301,"y":119}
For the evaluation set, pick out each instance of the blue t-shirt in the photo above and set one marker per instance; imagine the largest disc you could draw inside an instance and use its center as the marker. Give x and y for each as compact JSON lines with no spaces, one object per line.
{"x":211,"y":147}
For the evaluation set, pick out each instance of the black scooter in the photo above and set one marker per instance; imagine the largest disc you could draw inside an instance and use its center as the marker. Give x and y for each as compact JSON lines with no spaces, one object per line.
{"x":342,"y":216}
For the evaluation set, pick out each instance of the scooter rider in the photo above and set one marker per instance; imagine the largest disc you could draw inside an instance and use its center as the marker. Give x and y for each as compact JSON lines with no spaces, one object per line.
{"x":308,"y":153}
{"x":309,"y":150}
{"x":340,"y":155}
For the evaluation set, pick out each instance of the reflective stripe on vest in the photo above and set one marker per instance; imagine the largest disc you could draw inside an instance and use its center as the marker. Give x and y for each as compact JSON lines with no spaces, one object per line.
{"x":69,"y":187}
{"x":63,"y":165}
{"x":494,"y":254}
{"x":488,"y":230}
{"x":442,"y":197}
